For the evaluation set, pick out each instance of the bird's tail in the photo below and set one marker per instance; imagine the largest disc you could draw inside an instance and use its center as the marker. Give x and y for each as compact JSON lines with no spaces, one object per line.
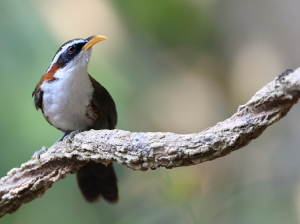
{"x":96,"y":180}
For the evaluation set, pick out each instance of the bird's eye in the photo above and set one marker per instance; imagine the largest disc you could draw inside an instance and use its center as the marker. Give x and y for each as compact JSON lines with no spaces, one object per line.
{"x":71,"y":49}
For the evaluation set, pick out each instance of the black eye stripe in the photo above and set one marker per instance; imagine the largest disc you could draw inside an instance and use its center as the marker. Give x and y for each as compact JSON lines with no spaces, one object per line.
{"x":63,"y":57}
{"x":70,"y":53}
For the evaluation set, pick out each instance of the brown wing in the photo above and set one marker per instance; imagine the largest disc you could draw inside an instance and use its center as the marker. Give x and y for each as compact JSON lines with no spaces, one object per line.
{"x":38,"y":97}
{"x":105,"y":107}
{"x":96,"y":179}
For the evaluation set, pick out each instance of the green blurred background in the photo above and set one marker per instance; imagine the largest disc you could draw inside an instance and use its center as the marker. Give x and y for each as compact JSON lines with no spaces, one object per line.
{"x":172,"y":65}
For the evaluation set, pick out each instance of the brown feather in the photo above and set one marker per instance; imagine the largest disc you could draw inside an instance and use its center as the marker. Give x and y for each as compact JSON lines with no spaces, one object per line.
{"x":105,"y":107}
{"x":38,"y":98}
{"x":49,"y":76}
{"x":96,"y":179}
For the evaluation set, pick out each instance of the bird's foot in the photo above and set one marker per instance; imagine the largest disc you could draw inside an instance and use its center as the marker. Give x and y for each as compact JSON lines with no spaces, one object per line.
{"x":69,"y":138}
{"x":37,"y":155}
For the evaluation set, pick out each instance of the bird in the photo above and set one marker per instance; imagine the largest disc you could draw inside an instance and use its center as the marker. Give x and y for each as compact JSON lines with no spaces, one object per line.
{"x":72,"y":101}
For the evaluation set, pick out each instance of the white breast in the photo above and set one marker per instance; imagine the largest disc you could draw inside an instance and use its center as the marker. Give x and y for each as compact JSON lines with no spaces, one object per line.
{"x":66,"y":99}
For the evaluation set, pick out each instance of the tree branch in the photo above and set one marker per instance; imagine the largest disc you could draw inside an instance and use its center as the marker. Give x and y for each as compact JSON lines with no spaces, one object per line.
{"x":140,"y":151}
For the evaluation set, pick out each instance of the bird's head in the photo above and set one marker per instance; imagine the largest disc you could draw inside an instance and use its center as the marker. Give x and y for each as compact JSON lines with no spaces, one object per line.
{"x":73,"y":56}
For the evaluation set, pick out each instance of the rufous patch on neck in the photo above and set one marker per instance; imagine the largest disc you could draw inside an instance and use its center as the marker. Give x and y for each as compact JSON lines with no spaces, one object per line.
{"x":49,"y":76}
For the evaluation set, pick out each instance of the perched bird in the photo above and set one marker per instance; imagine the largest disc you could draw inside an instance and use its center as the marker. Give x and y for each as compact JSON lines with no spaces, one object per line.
{"x":73,"y":101}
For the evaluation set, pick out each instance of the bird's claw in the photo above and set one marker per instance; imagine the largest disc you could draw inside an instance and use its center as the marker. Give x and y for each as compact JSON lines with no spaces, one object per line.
{"x":37,"y":155}
{"x":69,"y":138}
{"x":66,"y":140}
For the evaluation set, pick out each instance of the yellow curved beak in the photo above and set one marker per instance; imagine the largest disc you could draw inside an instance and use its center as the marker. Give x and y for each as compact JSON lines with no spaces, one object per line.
{"x":93,"y":40}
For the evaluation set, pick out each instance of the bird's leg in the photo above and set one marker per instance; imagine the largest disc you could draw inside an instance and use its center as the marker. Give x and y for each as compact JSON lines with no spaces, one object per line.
{"x":44,"y":149}
{"x":37,"y":155}
{"x":62,"y":137}
{"x":69,"y":138}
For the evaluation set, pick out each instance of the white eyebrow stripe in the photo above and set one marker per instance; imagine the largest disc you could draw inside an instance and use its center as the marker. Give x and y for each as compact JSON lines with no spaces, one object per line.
{"x":76,"y":41}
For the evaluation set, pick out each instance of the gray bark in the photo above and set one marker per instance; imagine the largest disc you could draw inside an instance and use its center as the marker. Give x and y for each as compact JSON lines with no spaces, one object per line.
{"x":140,"y":151}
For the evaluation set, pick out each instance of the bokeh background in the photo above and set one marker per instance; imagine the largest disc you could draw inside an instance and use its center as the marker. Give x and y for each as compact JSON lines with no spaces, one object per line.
{"x":172,"y":65}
